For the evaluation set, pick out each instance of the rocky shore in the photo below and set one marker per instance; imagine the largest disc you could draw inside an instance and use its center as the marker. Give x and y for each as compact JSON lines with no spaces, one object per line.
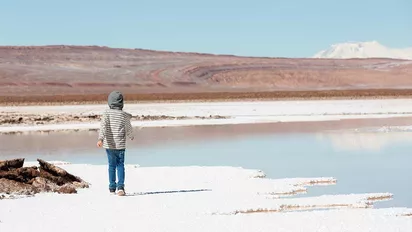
{"x":15,"y":179}
{"x":10,"y":119}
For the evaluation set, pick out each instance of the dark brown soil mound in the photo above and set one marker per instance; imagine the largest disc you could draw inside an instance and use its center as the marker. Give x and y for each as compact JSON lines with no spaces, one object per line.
{"x":18,"y":180}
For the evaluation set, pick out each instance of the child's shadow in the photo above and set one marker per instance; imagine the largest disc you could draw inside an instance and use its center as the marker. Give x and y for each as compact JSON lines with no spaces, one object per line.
{"x":167,"y":192}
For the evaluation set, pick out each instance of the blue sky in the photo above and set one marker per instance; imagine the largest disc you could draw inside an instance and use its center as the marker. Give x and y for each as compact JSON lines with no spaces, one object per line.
{"x":288,"y":28}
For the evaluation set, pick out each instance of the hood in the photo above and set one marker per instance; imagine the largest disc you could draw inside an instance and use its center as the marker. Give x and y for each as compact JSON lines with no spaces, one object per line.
{"x":115,"y":100}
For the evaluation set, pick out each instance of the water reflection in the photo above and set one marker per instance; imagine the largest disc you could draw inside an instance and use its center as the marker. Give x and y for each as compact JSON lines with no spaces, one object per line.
{"x":365,"y":140}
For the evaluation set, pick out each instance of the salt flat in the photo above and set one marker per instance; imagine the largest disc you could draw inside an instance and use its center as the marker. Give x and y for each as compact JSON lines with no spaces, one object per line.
{"x":199,"y":198}
{"x":236,"y":112}
{"x":238,"y":108}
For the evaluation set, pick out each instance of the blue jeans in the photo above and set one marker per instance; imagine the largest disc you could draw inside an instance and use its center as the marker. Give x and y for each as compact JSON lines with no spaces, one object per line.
{"x":116,"y":161}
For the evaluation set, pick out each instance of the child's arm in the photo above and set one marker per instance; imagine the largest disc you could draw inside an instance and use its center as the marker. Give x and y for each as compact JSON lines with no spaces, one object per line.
{"x":102,"y":131}
{"x":129,"y":129}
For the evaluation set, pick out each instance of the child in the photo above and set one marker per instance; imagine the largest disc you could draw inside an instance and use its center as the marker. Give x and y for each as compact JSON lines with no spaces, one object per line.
{"x":115,"y":126}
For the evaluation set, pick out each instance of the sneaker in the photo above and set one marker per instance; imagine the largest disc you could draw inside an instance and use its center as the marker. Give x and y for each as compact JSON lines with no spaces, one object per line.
{"x":121,"y":192}
{"x":112,"y":191}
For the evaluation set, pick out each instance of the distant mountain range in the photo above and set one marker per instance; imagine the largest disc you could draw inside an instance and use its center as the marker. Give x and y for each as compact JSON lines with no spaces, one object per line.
{"x":371,"y":49}
{"x":76,"y":73}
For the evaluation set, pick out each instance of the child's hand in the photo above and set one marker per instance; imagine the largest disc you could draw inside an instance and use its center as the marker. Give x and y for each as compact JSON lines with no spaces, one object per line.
{"x":99,"y":143}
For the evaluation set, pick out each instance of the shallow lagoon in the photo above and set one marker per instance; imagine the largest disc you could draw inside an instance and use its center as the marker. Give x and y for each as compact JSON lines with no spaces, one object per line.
{"x":361,"y":162}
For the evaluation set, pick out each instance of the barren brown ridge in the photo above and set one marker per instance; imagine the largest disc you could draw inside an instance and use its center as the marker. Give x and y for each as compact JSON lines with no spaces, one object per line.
{"x":88,"y":73}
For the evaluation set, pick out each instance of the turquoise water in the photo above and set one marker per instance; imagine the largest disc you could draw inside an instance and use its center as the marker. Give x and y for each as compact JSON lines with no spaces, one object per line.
{"x":361,"y":163}
{"x":299,"y":155}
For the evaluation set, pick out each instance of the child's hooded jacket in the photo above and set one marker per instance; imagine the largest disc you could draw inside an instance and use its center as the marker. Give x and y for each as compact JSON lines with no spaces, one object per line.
{"x":115,"y":124}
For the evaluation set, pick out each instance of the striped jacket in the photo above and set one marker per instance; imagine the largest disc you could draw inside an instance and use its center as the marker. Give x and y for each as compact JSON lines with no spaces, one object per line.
{"x":115,"y":127}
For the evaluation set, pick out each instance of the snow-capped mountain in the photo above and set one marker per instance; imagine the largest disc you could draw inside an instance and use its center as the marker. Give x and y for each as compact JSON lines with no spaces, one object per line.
{"x":371,"y":49}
